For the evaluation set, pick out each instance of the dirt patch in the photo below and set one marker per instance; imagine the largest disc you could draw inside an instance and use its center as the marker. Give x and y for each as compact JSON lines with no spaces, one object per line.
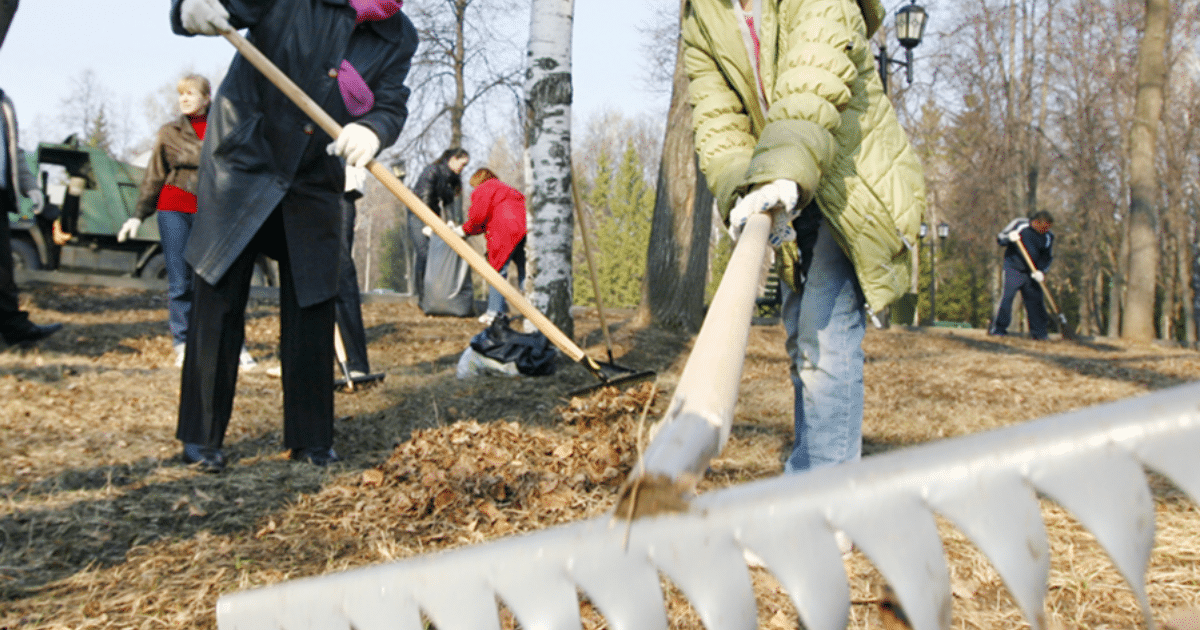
{"x":102,"y":527}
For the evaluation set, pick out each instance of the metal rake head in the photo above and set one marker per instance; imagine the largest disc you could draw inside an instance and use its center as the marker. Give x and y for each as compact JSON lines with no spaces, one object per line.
{"x":1088,"y":461}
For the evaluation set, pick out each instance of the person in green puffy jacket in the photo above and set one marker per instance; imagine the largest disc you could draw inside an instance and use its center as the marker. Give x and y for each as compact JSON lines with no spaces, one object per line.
{"x":790,"y":118}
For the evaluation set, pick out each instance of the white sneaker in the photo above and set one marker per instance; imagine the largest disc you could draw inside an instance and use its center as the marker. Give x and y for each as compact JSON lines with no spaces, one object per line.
{"x":245,"y":361}
{"x":179,"y":352}
{"x":487,"y":318}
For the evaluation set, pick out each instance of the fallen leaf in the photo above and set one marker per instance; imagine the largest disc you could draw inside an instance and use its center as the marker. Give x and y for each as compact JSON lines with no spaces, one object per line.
{"x":372,"y":477}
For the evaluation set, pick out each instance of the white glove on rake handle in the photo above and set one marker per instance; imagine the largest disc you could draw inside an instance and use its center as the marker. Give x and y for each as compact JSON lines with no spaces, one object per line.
{"x":778,"y":198}
{"x":357,"y":144}
{"x":204,"y":17}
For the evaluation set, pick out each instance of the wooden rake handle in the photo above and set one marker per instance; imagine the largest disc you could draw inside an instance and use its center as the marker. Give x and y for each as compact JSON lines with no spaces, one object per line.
{"x":414,"y":203}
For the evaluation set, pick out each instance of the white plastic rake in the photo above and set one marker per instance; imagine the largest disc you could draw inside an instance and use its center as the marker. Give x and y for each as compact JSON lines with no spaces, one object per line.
{"x":1090,"y":462}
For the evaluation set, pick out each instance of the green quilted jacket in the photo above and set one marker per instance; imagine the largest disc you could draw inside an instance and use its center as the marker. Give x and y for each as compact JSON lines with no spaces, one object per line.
{"x":825,"y":124}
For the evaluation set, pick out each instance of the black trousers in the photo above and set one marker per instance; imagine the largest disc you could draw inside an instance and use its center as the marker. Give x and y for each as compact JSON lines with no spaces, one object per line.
{"x":11,"y":315}
{"x":348,"y":305}
{"x":214,"y":341}
{"x":1031,"y":294}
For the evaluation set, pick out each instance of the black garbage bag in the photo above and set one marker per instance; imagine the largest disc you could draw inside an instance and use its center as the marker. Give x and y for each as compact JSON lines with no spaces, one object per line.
{"x":447,"y":289}
{"x":531,"y":352}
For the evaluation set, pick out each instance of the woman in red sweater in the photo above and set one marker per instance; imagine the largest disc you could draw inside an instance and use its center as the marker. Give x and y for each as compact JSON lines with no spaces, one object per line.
{"x":498,"y":211}
{"x":169,"y":188}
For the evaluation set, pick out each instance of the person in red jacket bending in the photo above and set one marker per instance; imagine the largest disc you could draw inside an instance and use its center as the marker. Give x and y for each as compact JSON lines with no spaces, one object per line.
{"x":498,"y":211}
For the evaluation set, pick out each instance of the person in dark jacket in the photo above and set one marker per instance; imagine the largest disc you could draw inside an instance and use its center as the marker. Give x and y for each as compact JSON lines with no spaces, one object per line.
{"x":437,"y":186}
{"x":270,"y":181}
{"x":15,"y":179}
{"x":1038,"y":240}
{"x":497,"y":210}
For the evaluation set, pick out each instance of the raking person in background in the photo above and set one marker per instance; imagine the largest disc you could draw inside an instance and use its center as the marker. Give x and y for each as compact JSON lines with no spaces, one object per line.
{"x":1035,"y":235}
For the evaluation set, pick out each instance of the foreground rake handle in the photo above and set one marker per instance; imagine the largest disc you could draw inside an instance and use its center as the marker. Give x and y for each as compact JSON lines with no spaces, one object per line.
{"x":414,"y":203}
{"x":698,"y":421}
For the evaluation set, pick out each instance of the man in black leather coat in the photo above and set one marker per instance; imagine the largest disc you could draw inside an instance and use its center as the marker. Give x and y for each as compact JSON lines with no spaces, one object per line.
{"x":268,"y":184}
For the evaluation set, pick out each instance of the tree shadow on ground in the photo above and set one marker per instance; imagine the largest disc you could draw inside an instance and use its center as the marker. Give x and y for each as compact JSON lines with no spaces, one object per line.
{"x":1100,"y":366}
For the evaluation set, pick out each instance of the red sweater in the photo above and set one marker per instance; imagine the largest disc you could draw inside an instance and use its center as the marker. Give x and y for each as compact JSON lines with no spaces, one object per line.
{"x":498,"y":210}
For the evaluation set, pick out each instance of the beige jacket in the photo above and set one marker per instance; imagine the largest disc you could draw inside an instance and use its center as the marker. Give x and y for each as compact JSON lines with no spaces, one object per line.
{"x":822,"y":120}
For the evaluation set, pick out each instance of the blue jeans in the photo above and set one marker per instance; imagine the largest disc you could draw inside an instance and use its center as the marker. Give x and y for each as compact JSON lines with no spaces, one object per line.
{"x":825,"y":323}
{"x":496,"y":301}
{"x":174,"y":229}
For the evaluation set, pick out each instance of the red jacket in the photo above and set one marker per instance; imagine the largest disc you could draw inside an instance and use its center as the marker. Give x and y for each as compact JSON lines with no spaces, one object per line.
{"x":498,"y":210}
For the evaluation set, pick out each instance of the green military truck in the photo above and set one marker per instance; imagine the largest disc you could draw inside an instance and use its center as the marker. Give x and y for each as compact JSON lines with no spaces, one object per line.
{"x":90,"y":212}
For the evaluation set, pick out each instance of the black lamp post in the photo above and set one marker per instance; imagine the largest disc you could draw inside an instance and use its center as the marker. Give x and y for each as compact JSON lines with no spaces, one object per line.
{"x":910,"y":29}
{"x":942,"y":232}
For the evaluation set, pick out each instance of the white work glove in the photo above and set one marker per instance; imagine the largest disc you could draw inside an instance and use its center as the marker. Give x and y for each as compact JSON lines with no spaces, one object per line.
{"x":1014,"y":236}
{"x":38,"y":198}
{"x":457,"y":229}
{"x":427,"y":231}
{"x":1037,"y":275}
{"x":204,"y":17}
{"x":357,"y":144}
{"x":779,"y":198}
{"x":129,"y":229}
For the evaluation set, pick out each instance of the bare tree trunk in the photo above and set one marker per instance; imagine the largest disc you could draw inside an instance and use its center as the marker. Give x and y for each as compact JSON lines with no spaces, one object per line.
{"x":548,"y":141}
{"x":1166,"y":324}
{"x":458,"y":107}
{"x":677,"y":258}
{"x":1189,"y":268}
{"x":1116,"y":299}
{"x":1194,"y":247}
{"x":1143,"y":223}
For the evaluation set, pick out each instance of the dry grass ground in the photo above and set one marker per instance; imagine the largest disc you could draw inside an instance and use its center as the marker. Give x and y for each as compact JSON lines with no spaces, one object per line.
{"x":102,"y":527}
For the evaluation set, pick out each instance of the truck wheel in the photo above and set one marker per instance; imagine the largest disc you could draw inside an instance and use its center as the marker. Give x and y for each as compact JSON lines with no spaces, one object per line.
{"x":155,"y":268}
{"x":24,"y":255}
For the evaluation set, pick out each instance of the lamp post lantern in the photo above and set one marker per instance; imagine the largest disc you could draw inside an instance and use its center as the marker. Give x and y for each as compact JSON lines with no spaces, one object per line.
{"x":910,"y":29}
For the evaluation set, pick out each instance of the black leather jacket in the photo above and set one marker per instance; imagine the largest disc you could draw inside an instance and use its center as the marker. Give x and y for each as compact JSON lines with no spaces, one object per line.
{"x":259,"y":146}
{"x":437,"y":187}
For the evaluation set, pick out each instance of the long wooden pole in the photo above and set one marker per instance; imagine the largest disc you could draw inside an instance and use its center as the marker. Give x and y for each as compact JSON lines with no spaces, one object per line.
{"x":414,"y":203}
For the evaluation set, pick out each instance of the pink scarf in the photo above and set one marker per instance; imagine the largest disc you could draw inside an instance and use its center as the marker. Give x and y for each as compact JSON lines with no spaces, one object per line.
{"x":356,"y":94}
{"x":374,"y":10}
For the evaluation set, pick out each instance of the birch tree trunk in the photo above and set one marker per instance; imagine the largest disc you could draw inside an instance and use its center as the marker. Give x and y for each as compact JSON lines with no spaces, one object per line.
{"x":1143,"y":224}
{"x":677,"y":259}
{"x":548,"y":143}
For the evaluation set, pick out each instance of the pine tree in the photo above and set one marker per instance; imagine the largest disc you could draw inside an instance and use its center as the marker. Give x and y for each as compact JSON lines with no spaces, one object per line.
{"x":98,"y":135}
{"x":624,"y":233}
{"x":595,"y":209}
{"x":393,"y":264}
